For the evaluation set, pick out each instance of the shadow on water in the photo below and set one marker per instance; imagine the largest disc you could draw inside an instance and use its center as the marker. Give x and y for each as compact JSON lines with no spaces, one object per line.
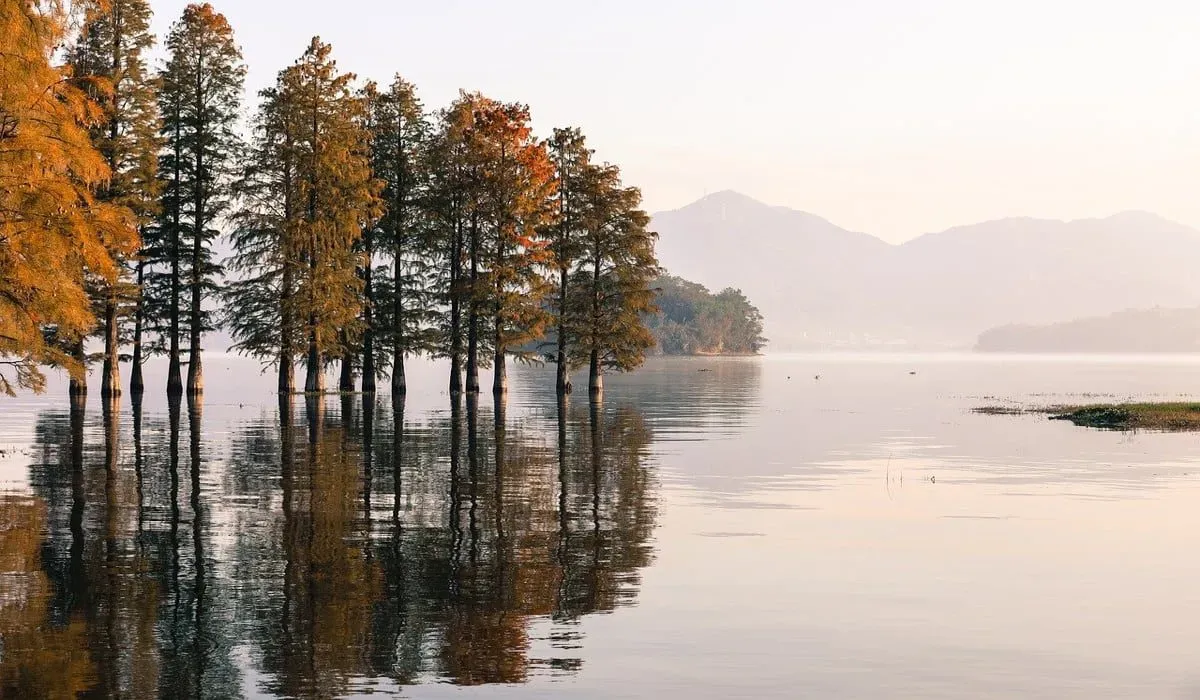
{"x":335,"y":545}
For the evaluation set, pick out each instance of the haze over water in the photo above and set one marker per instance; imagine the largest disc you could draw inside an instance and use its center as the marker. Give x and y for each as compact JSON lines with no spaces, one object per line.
{"x":718,"y":528}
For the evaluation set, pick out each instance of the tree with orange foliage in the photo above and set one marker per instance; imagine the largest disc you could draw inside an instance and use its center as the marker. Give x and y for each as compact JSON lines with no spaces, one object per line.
{"x":53,"y":229}
{"x":517,"y":182}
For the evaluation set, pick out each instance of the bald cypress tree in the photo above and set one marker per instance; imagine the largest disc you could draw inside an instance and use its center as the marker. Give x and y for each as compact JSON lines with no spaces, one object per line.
{"x":565,"y":232}
{"x":340,"y":198}
{"x":450,"y":202}
{"x":199,"y":99}
{"x":262,"y":304}
{"x":54,"y":231}
{"x":399,"y":306}
{"x":516,"y":183}
{"x":308,"y":195}
{"x":490,"y":184}
{"x":109,"y":55}
{"x":611,"y":290}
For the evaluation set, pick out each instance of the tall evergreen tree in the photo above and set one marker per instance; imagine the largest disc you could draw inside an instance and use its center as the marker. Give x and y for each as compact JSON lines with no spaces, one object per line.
{"x":312,"y":155}
{"x":400,"y":305}
{"x":109,"y":56}
{"x":340,"y":198}
{"x":572,"y":165}
{"x":451,"y":193}
{"x":517,"y":182}
{"x":199,"y":100}
{"x":611,"y":291}
{"x":53,"y":229}
{"x":262,"y":304}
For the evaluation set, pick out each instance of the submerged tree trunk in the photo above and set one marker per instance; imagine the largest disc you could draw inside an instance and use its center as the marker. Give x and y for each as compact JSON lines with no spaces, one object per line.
{"x":368,"y":365}
{"x":595,"y":380}
{"x":473,"y":315}
{"x":399,"y":382}
{"x":314,"y":381}
{"x":137,"y":385}
{"x":195,"y":383}
{"x":174,"y":377}
{"x":346,"y":382}
{"x":499,"y":372}
{"x":595,"y":377}
{"x":110,"y":382}
{"x":287,"y":342}
{"x":78,"y":386}
{"x":456,"y":311}
{"x":562,"y":382}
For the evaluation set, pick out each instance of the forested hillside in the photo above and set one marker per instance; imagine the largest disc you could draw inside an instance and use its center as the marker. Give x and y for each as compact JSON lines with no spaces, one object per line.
{"x":691,"y":320}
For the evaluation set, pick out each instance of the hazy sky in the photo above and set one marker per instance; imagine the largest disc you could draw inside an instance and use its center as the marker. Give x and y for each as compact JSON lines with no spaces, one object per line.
{"x":895,"y":117}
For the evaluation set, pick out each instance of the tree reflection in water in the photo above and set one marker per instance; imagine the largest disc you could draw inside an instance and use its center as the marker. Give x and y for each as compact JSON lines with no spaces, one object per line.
{"x":335,"y":545}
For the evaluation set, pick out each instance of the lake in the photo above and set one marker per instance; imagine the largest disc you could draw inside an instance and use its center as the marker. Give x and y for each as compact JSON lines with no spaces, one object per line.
{"x":774,"y":527}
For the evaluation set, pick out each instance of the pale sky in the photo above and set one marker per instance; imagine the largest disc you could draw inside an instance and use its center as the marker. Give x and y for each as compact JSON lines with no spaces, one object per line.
{"x":893,"y":117}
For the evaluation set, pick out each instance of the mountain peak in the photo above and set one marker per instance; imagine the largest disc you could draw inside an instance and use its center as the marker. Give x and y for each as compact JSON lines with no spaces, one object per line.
{"x":727,"y":199}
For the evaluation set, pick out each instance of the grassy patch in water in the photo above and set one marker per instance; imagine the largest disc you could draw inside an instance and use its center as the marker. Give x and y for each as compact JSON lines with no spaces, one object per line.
{"x":1170,"y":416}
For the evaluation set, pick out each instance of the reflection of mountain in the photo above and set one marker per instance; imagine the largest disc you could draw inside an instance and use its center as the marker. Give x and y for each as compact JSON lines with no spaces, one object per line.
{"x":350,"y":546}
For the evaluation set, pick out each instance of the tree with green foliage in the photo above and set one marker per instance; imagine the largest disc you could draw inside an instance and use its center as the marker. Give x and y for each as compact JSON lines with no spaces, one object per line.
{"x":611,"y":292}
{"x":692,"y":321}
{"x":109,"y":57}
{"x":448,"y":203}
{"x":308,"y":196}
{"x":262,"y":310}
{"x":399,"y":307}
{"x":565,"y":236}
{"x":199,"y":99}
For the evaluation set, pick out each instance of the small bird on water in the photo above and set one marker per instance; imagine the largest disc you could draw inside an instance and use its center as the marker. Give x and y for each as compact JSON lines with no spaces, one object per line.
{"x":818,"y":377}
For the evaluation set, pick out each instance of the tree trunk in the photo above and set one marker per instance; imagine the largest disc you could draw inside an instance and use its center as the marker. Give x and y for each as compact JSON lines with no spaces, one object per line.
{"x":110,"y":383}
{"x":346,"y":382}
{"x":368,"y":366}
{"x":473,"y":315}
{"x":562,"y":383}
{"x":137,"y":385}
{"x":174,"y":379}
{"x":595,"y":378}
{"x":195,"y":383}
{"x":287,"y":343}
{"x":399,"y":381}
{"x":499,"y":371}
{"x":314,"y":381}
{"x":77,"y":389}
{"x":456,"y":310}
{"x":287,"y":372}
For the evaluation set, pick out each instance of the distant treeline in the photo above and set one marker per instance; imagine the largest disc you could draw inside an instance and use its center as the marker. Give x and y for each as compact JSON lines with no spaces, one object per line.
{"x":366,"y":228}
{"x":693,"y":321}
{"x":1149,"y":330}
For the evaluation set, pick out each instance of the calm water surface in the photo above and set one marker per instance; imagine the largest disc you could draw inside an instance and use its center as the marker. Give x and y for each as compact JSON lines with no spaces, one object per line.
{"x":716,"y":529}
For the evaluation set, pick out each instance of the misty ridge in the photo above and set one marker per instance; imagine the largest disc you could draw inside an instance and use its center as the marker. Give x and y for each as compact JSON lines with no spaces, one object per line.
{"x":821,"y":287}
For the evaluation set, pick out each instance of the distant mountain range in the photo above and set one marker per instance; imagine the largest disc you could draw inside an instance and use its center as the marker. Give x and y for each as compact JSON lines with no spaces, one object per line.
{"x":823,"y":287}
{"x":1151,"y":330}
